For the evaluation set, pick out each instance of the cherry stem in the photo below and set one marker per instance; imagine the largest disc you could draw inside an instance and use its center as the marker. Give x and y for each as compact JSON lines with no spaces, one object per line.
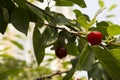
{"x":51,"y":75}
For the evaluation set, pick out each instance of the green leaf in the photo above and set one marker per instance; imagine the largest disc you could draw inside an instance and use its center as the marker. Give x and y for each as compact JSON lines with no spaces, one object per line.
{"x":5,"y":49}
{"x":60,"y":19}
{"x":21,"y":3}
{"x":35,"y":10}
{"x":63,"y":3}
{"x":3,"y":23}
{"x":69,"y":36}
{"x":20,"y":46}
{"x":115,"y":45}
{"x":51,"y":38}
{"x":32,"y":17}
{"x":81,"y":44}
{"x":112,"y":7}
{"x":72,"y":48}
{"x":40,"y":23}
{"x":9,"y":4}
{"x":102,"y":23}
{"x":110,"y":16}
{"x":77,"y":13}
{"x":38,"y":45}
{"x":40,"y":0}
{"x":69,"y":74}
{"x":81,"y":3}
{"x":20,"y":20}
{"x":83,"y":21}
{"x":86,"y":59}
{"x":109,"y":60}
{"x":98,"y":73}
{"x":40,"y":41}
{"x":74,"y":61}
{"x":61,"y":39}
{"x":116,"y":54}
{"x":101,"y":3}
{"x":5,"y":15}
{"x":113,"y":30}
{"x":88,"y":19}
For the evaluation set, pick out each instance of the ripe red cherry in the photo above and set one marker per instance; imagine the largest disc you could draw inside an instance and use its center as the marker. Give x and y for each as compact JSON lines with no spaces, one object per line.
{"x":94,"y":38}
{"x":61,"y":52}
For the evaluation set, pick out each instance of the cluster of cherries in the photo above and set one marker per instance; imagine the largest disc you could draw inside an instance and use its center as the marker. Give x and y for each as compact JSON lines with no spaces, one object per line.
{"x":94,"y":38}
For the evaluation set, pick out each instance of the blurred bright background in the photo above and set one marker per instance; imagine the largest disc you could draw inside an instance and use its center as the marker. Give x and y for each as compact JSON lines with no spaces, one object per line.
{"x":16,"y":51}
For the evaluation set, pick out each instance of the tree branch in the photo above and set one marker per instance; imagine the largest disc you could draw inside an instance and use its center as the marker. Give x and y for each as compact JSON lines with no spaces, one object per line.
{"x":51,"y":75}
{"x":46,"y":13}
{"x":77,"y":33}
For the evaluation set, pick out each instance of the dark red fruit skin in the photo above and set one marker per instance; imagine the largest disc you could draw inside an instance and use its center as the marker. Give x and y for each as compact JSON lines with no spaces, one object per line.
{"x":94,"y":37}
{"x":61,"y":52}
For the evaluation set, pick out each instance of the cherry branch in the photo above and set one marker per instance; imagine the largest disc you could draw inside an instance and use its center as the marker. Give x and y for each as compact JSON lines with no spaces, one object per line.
{"x":72,"y":29}
{"x":46,"y":13}
{"x":51,"y":75}
{"x":77,"y":33}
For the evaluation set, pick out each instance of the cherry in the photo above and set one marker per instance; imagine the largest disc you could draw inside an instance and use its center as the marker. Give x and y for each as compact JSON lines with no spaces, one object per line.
{"x":61,"y":52}
{"x":94,"y":37}
{"x":77,"y":79}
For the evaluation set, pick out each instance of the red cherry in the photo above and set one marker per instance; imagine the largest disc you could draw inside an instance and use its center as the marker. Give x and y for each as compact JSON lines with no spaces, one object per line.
{"x":77,"y":79}
{"x":94,"y":37}
{"x":61,"y":52}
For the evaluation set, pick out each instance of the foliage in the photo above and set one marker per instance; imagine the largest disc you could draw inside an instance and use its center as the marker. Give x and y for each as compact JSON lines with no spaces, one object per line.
{"x":15,"y":69}
{"x":102,"y":61}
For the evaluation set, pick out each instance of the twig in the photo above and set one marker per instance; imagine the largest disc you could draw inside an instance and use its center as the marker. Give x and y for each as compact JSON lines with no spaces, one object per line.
{"x":53,"y":26}
{"x":77,"y":33}
{"x":51,"y":75}
{"x":46,"y":13}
